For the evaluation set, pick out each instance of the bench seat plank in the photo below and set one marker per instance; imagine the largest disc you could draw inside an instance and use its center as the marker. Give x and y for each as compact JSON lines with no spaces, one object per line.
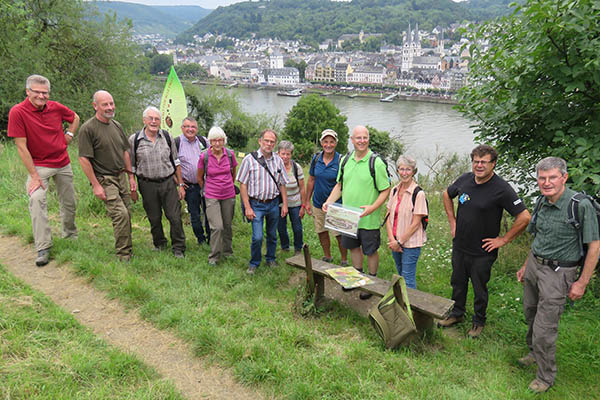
{"x":426,"y":303}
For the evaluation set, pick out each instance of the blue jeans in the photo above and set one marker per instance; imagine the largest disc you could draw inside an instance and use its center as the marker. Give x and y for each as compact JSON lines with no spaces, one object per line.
{"x":264,"y":211}
{"x":406,"y":265}
{"x":294,"y":213}
{"x":193,"y":198}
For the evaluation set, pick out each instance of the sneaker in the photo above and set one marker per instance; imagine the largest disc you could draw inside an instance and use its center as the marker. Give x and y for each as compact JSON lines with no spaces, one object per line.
{"x":272,"y":264}
{"x":251,"y":270}
{"x":475,"y":331}
{"x":43,"y":256}
{"x":450,"y":321}
{"x":286,"y":250}
{"x":344,"y":263}
{"x":178,"y":254}
{"x":327,"y":259}
{"x":538,"y":386}
{"x":297,"y":251}
{"x":160,"y":248}
{"x":526,"y":361}
{"x":212,"y":263}
{"x":365,"y":296}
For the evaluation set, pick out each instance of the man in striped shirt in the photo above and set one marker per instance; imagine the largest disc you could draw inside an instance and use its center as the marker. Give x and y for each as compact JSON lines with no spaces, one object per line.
{"x":262,"y":180}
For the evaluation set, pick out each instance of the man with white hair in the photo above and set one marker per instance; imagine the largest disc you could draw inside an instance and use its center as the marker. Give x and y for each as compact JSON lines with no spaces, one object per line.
{"x":550,"y":272}
{"x":156,"y":165}
{"x":37,"y":126}
{"x":104,"y":158}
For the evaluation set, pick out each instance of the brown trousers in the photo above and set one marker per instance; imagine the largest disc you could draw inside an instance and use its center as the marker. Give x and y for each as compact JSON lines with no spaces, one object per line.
{"x":118,"y":200}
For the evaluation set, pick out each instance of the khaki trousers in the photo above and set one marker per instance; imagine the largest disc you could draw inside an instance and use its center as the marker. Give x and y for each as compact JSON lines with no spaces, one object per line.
{"x":220,"y":216}
{"x":38,"y":205}
{"x":118,"y":200}
{"x":544,"y":295}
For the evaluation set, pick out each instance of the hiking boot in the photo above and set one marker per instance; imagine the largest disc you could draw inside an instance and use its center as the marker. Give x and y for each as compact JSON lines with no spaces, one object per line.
{"x":475,"y":331}
{"x":43,"y":257}
{"x":297,"y":251}
{"x":212,"y":263}
{"x":178,"y":254}
{"x":272,"y":264}
{"x":365,"y":296}
{"x":450,"y":321}
{"x":526,"y":361}
{"x":251,"y":270}
{"x":538,"y":386}
{"x":125,"y":258}
{"x":344,"y":263}
{"x":327,"y":259}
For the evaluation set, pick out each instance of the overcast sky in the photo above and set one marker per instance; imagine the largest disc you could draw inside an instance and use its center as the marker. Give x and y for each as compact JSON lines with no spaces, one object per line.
{"x":201,"y":3}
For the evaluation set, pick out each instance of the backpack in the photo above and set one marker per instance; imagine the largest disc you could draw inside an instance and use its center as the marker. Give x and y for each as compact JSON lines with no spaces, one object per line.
{"x":200,"y":137}
{"x":392,"y":317}
{"x":136,"y":144}
{"x":371,"y":168}
{"x":573,"y":216}
{"x":424,"y":219}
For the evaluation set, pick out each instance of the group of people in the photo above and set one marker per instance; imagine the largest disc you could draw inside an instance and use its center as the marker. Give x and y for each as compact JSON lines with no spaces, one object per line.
{"x":272,"y":187}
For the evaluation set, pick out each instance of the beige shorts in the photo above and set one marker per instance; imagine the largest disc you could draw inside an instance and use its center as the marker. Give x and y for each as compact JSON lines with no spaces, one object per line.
{"x":319,"y":217}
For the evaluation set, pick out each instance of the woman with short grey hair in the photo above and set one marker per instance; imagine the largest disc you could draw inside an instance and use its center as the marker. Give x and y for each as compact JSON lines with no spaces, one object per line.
{"x":216,"y":173}
{"x":407,"y":207}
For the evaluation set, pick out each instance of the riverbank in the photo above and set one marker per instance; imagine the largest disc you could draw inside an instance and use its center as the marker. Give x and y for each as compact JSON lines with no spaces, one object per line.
{"x":325,"y":91}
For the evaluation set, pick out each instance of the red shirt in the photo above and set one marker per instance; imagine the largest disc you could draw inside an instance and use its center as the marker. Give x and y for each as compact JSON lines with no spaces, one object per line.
{"x":43,"y":130}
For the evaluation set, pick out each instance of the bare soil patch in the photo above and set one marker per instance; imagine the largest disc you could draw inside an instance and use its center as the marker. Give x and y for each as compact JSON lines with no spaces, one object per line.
{"x":169,"y":355}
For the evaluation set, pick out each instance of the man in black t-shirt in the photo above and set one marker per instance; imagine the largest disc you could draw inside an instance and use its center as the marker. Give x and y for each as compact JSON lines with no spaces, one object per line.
{"x":482,"y":198}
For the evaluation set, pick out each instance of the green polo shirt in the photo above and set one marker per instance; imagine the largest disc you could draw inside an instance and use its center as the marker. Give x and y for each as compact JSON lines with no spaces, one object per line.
{"x":557,"y":239}
{"x":358,"y":189}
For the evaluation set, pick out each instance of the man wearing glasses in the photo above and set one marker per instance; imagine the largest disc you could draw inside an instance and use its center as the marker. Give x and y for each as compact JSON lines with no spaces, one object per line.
{"x":37,"y":126}
{"x":482,"y":198}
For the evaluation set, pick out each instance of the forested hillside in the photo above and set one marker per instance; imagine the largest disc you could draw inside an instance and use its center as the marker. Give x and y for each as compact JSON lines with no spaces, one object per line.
{"x":165,"y":20}
{"x":313,"y":21}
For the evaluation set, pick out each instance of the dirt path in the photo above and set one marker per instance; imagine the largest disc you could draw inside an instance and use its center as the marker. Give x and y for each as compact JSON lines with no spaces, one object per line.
{"x":169,"y":355}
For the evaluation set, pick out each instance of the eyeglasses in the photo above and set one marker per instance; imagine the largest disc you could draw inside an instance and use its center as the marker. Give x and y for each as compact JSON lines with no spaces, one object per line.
{"x":404,"y":169}
{"x":40,"y":92}
{"x":190,"y":127}
{"x":482,"y":162}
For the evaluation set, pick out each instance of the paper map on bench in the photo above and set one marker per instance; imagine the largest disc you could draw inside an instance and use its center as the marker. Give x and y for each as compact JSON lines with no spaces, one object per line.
{"x":349,"y":277}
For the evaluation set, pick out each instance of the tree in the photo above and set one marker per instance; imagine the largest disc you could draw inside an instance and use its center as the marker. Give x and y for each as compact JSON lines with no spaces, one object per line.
{"x":536,"y":91}
{"x":381,"y":142}
{"x":78,"y":54}
{"x":161,"y":64}
{"x":191,"y":70}
{"x":305,"y":122}
{"x":299,"y":65}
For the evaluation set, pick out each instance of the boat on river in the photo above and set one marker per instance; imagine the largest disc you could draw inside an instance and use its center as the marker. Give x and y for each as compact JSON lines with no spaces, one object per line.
{"x":291,"y":93}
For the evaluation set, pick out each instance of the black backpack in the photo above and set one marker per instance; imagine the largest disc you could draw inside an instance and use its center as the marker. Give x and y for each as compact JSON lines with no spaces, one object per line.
{"x":371,"y":168}
{"x":573,"y":216}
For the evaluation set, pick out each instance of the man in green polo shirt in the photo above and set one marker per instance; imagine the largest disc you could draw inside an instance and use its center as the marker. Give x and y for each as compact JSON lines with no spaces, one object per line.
{"x":357,"y":189}
{"x":549,"y":274}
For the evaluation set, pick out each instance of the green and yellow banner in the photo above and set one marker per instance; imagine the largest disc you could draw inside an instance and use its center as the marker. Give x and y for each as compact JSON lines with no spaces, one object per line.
{"x":173,"y":105}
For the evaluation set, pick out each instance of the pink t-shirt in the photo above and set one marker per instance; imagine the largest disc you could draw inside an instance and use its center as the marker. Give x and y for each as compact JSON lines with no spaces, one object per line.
{"x":403,"y":218}
{"x":219,"y":182}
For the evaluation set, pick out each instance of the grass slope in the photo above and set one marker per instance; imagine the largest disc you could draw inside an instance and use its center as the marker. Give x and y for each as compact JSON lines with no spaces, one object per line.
{"x":247,"y":323}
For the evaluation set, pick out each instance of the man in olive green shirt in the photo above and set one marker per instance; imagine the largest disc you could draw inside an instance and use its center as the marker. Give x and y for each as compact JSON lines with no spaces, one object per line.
{"x":357,"y":189}
{"x":104,"y":158}
{"x":549,"y":274}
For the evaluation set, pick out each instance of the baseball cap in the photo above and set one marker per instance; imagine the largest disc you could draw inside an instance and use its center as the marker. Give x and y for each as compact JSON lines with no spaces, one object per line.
{"x":328,"y":132}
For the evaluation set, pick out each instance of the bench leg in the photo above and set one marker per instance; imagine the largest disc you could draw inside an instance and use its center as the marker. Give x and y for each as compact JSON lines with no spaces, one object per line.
{"x":423,"y":322}
{"x":319,"y":288}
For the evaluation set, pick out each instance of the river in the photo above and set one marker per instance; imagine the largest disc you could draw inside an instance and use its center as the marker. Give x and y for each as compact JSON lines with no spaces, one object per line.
{"x":424,"y":128}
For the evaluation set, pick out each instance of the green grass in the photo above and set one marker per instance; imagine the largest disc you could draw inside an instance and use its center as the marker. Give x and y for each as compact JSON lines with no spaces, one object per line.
{"x":248,"y":323}
{"x":46,"y":354}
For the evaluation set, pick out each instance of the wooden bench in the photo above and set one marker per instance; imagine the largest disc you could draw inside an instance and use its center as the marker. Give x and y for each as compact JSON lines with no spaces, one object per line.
{"x":425,"y":306}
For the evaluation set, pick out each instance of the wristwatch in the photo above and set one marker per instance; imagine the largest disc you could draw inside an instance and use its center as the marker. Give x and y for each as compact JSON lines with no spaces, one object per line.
{"x":181,"y":185}
{"x":69,"y":133}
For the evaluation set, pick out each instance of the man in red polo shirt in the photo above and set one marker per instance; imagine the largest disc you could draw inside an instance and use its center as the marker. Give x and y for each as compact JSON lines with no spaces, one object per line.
{"x":37,"y":126}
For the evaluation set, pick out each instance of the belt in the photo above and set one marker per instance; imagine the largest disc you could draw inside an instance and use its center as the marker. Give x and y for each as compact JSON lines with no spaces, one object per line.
{"x":263,"y":201}
{"x":190,"y":184}
{"x":157,"y":180}
{"x":555,"y":264}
